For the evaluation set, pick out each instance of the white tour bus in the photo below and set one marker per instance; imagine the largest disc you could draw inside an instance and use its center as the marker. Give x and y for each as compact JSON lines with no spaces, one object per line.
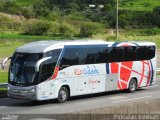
{"x":56,"y":69}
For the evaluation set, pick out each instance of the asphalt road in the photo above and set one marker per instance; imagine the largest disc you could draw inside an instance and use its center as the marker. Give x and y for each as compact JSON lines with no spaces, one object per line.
{"x":76,"y":104}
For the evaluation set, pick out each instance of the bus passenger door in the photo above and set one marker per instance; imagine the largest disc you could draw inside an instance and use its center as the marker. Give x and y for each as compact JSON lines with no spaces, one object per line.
{"x":98,"y":83}
{"x":84,"y":87}
{"x":111,"y":82}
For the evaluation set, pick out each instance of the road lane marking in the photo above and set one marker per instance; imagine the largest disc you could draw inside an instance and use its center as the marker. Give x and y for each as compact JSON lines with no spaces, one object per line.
{"x":117,"y":97}
{"x":131,"y":99}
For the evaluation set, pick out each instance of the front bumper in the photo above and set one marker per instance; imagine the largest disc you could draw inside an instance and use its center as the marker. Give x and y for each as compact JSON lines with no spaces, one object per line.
{"x":28,"y":96}
{"x":16,"y":92}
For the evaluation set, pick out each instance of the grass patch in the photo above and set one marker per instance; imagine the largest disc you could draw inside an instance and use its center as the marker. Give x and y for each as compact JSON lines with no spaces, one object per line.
{"x":8,"y":47}
{"x":9,"y":41}
{"x":4,"y":77}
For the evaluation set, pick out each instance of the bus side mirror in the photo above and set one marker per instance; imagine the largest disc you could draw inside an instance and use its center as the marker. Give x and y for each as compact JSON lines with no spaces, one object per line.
{"x":40,"y":62}
{"x":4,"y":62}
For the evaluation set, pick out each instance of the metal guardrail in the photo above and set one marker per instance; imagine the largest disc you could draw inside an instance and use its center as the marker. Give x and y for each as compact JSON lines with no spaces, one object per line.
{"x":3,"y":85}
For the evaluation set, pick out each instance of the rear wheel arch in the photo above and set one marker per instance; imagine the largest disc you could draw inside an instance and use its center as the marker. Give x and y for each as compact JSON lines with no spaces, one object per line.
{"x":133,"y":85}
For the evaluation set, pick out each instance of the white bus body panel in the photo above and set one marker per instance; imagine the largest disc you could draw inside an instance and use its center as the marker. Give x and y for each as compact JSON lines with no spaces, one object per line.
{"x":91,"y":78}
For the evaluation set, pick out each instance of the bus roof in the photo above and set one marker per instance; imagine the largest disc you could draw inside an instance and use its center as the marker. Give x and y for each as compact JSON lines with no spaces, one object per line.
{"x":44,"y":46}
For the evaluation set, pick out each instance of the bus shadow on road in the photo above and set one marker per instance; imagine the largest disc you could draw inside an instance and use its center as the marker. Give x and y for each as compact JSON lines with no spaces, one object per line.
{"x":103,"y":94}
{"x":28,"y":103}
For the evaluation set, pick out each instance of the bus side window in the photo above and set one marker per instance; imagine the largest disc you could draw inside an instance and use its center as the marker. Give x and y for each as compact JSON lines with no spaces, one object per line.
{"x":82,"y":55}
{"x":102,"y":55}
{"x":95,"y":55}
{"x":141,"y":53}
{"x":47,"y":67}
{"x":150,"y":52}
{"x":91,"y":55}
{"x":69,"y":58}
{"x":116,"y":54}
{"x":129,"y":53}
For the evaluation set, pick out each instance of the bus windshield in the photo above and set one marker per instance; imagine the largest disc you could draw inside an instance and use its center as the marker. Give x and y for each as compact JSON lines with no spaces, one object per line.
{"x":22,"y":69}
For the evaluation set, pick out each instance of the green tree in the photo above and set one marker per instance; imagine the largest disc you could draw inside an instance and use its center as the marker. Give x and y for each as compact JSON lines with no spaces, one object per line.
{"x":155,"y":17}
{"x":28,"y":12}
{"x":41,"y":9}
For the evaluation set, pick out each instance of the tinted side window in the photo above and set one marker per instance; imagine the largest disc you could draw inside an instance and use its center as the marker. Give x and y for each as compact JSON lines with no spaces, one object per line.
{"x":129,"y":53}
{"x":150,"y":52}
{"x":140,"y":53}
{"x":70,"y":57}
{"x":47,"y":67}
{"x":103,"y":55}
{"x":84,"y":55}
{"x":95,"y":55}
{"x":91,"y":55}
{"x":53,"y":53}
{"x":116,"y":54}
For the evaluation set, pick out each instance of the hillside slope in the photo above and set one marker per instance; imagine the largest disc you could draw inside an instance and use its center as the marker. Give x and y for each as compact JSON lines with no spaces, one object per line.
{"x":139,"y":5}
{"x":135,"y":5}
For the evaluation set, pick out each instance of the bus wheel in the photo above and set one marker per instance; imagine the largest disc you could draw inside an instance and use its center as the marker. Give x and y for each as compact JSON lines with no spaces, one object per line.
{"x":62,"y":95}
{"x":132,"y":85}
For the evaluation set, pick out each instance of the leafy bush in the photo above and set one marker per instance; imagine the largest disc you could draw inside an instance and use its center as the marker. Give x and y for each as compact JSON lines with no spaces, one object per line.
{"x":43,"y":27}
{"x":89,"y":28}
{"x":54,"y":28}
{"x":53,"y":16}
{"x":7,"y":23}
{"x":27,"y":12}
{"x":10,"y":6}
{"x":67,"y":30}
{"x":36,"y":27}
{"x":150,"y":32}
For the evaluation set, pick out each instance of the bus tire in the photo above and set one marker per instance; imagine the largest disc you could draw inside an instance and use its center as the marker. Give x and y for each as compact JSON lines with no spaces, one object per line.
{"x":132,"y":86}
{"x":62,"y":94}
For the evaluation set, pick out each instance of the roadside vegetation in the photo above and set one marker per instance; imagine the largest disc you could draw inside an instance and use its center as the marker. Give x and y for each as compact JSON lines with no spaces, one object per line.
{"x":139,"y":5}
{"x":4,"y":77}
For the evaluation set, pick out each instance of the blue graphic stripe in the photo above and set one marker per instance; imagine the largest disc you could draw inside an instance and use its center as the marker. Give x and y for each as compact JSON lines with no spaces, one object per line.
{"x":151,"y":80}
{"x":107,"y":68}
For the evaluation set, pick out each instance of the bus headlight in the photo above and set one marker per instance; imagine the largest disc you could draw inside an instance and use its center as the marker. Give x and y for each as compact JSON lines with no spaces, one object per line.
{"x":32,"y":90}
